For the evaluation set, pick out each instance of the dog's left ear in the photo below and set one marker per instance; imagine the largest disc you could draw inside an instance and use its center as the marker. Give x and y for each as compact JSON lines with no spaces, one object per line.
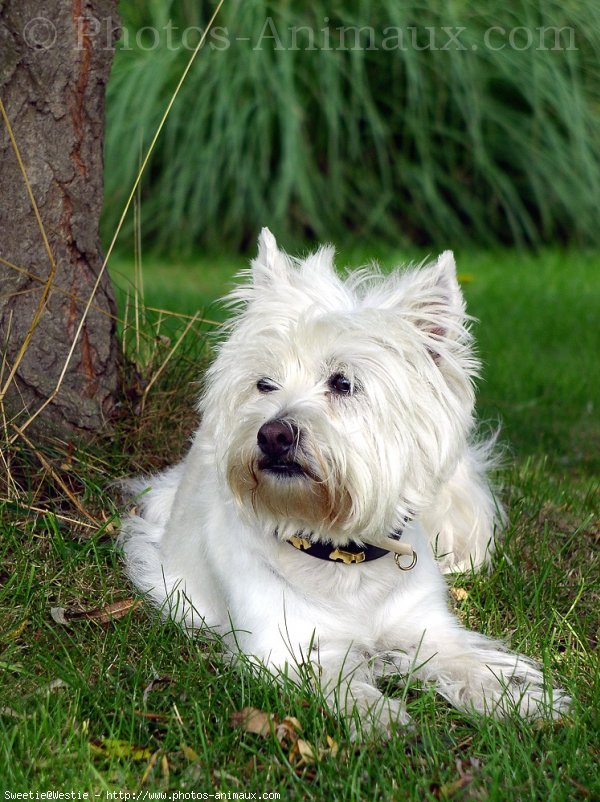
{"x":270,"y":264}
{"x":434,"y":302}
{"x":447,"y":305}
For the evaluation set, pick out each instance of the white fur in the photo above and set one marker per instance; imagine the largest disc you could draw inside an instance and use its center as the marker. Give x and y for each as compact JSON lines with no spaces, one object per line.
{"x":207,"y":543}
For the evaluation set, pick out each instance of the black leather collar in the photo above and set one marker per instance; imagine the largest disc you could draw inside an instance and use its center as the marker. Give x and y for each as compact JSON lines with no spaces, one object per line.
{"x":349,"y":554}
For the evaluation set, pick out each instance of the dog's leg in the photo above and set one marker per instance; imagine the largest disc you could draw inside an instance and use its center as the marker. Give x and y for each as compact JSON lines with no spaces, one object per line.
{"x":473,"y":672}
{"x":465,"y":517}
{"x":347,"y":680}
{"x":344,"y":676}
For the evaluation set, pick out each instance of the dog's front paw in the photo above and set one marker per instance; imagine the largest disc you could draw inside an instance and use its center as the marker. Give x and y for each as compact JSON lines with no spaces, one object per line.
{"x":509,"y":684}
{"x":527,"y":694}
{"x":377,"y":716}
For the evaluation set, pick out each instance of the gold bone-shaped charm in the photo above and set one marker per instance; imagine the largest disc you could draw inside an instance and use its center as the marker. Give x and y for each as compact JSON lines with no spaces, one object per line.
{"x":347,"y":557}
{"x":300,"y":542}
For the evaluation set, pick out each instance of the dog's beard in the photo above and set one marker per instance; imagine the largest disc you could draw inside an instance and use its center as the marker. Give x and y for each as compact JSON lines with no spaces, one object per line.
{"x":336,"y":484}
{"x":301,"y":494}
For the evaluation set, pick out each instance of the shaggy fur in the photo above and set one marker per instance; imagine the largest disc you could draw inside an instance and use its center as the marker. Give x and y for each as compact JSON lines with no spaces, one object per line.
{"x":373,"y":377}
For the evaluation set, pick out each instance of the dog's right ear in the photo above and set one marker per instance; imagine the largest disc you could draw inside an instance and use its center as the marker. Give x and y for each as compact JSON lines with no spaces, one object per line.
{"x":270,"y":264}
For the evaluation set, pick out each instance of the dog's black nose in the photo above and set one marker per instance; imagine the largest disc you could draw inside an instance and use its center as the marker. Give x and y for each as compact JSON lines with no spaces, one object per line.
{"x":275,"y":438}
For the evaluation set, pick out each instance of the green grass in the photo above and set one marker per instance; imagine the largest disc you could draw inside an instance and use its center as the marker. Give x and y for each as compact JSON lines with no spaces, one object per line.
{"x":62,"y":737}
{"x":420,"y":142}
{"x":542,"y":595}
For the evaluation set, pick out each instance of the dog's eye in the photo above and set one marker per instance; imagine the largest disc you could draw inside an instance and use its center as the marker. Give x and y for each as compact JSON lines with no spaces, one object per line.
{"x":265,"y":386}
{"x":338,"y":383}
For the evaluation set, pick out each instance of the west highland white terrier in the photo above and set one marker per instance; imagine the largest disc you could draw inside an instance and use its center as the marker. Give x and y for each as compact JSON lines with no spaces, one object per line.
{"x":332,"y":476}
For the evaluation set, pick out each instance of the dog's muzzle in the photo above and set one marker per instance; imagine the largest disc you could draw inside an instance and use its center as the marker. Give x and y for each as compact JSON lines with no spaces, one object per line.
{"x":278,"y":440}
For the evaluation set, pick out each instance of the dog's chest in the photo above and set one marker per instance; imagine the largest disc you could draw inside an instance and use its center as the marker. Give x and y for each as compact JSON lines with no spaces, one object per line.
{"x":340,"y":591}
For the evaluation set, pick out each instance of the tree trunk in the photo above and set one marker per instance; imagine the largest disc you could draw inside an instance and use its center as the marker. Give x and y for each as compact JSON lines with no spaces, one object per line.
{"x":55,"y":60}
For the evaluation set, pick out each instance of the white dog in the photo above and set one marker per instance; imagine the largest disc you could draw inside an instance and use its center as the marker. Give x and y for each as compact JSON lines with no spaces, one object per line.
{"x":332,"y":460}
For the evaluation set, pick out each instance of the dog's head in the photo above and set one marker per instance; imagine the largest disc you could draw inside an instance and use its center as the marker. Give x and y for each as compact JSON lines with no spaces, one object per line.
{"x":336,"y":406}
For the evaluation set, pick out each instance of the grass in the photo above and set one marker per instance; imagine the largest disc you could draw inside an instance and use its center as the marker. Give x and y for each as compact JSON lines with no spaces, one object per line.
{"x":420,"y":140}
{"x":133,"y":705}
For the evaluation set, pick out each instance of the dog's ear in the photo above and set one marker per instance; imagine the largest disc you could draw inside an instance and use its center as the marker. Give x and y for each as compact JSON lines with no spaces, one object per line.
{"x":270,"y":264}
{"x":432,"y":299}
{"x":443,"y":299}
{"x":444,"y":275}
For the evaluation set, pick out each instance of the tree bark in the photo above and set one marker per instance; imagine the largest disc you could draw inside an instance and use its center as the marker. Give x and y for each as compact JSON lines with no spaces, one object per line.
{"x":55,"y":59}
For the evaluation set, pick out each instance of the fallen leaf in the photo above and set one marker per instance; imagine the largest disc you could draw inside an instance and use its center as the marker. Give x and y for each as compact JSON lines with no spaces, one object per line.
{"x":308,"y":754}
{"x":164,"y":768}
{"x":110,"y":612}
{"x":331,"y":750}
{"x":17,"y":631}
{"x":288,"y":729}
{"x":58,"y":615}
{"x":189,"y":753}
{"x":301,"y":753}
{"x":250,"y":719}
{"x":113,"y":747}
{"x":150,"y":766}
{"x":460,"y":594}
{"x":447,"y":790}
